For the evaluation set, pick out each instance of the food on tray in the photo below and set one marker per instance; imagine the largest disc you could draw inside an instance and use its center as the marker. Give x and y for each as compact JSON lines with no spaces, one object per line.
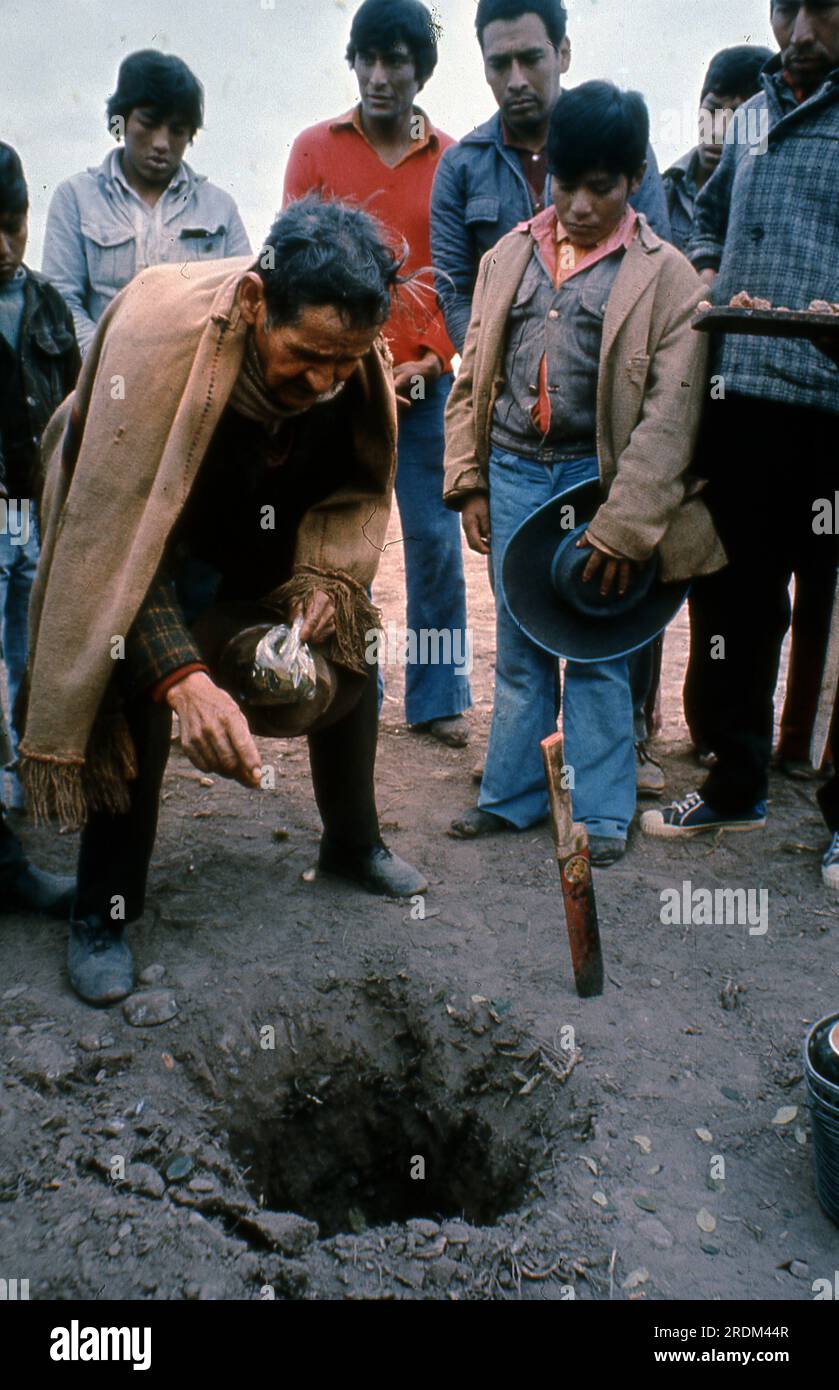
{"x":745,"y":301}
{"x":747,"y":314}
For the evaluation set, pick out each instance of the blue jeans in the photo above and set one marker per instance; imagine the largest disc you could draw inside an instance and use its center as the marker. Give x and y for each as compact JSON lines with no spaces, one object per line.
{"x":597,"y":701}
{"x":641,"y":670}
{"x":434,"y":580}
{"x":18,"y":561}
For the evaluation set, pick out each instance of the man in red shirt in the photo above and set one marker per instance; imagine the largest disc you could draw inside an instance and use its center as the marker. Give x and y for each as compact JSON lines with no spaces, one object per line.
{"x":383,"y":154}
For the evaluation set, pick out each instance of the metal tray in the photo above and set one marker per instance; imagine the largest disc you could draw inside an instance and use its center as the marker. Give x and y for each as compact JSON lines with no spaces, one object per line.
{"x":766,"y":323}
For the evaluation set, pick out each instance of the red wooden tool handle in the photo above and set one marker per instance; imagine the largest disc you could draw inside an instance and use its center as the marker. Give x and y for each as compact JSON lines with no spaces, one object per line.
{"x":572,"y":852}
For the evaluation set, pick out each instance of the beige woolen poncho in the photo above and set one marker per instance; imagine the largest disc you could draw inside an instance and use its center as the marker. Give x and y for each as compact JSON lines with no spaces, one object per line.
{"x":121,"y":455}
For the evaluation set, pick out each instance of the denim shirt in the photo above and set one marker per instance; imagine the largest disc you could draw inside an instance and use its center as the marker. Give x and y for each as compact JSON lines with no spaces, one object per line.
{"x":100,"y":234}
{"x":681,"y":192}
{"x":565,"y":326}
{"x":479,"y":194}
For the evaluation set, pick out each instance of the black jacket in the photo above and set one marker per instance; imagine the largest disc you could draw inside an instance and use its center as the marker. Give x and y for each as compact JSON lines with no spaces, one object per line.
{"x":33,"y":384}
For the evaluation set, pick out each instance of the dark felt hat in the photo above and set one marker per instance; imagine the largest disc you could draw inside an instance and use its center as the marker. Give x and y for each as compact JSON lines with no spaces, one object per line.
{"x":541,"y":583}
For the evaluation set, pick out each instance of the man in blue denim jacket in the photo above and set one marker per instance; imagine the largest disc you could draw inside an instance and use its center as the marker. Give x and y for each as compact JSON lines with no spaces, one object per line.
{"x":497,"y":176}
{"x":143,"y":205}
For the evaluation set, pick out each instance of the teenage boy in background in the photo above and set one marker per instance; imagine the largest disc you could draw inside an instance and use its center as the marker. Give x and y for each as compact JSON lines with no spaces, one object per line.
{"x":143,"y":205}
{"x":733,"y":77}
{"x":580,"y":362}
{"x":497,"y":176}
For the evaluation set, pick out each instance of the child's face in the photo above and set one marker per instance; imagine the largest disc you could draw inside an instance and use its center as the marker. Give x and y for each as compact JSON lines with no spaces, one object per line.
{"x":715,"y":114}
{"x":591,"y":208}
{"x":14,"y":229}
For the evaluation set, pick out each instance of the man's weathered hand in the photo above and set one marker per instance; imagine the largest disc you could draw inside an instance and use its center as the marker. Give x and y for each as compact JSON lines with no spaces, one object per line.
{"x":318,"y":617}
{"x":708,"y":276}
{"x":474,"y":518}
{"x":214,"y":732}
{"x":613,"y":566}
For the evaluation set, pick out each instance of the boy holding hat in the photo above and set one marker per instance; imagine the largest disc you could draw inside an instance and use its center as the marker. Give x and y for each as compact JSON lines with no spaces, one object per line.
{"x":580,"y":365}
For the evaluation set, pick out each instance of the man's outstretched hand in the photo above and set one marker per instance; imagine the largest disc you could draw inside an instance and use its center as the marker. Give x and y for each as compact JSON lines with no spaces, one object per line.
{"x":214,"y":732}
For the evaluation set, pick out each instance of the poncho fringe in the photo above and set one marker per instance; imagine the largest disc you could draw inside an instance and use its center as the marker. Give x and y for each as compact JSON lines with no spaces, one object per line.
{"x":356,"y":618}
{"x":68,"y":790}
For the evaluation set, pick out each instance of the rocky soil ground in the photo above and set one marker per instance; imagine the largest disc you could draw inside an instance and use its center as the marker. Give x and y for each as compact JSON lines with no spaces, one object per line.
{"x":346,"y":1099}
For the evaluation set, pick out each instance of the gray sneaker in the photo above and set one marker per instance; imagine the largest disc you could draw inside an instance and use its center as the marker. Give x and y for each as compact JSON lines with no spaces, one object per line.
{"x":99,"y":961}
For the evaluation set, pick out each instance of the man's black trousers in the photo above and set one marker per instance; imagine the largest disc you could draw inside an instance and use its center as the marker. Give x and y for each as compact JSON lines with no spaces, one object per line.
{"x":767,"y":466}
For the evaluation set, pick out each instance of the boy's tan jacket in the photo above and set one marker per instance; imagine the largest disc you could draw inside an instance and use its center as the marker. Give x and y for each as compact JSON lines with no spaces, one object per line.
{"x":122,"y":454}
{"x":650,"y":393}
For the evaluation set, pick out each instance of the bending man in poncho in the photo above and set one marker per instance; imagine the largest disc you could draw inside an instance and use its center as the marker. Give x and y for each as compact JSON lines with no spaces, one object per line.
{"x":232,"y":438}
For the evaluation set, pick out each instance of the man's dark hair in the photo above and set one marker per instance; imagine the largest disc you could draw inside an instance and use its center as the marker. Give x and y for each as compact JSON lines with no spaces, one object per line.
{"x":552,"y":13}
{"x":734,"y":72}
{"x":597,"y":126}
{"x":379,"y":24}
{"x":328,"y":253}
{"x":14,"y":195}
{"x":161,"y":82}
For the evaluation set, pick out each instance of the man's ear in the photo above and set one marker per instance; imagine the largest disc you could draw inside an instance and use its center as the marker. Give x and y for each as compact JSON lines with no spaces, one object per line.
{"x":565,"y":54}
{"x":637,"y":179}
{"x":251,"y":296}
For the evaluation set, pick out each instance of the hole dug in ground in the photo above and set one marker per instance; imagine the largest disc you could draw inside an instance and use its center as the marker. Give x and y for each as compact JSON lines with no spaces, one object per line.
{"x":377,"y":1105}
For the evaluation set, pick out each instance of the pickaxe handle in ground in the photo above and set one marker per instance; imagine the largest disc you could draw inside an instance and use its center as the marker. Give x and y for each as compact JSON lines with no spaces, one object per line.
{"x":572,"y":853}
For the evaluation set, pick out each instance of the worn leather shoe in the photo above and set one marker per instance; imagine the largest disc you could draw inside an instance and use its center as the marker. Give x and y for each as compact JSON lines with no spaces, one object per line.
{"x":99,"y":961}
{"x":606,"y":849}
{"x":649,"y":775}
{"x":377,"y":869}
{"x":453,"y":731}
{"x":27,"y":889}
{"x":476,"y":822}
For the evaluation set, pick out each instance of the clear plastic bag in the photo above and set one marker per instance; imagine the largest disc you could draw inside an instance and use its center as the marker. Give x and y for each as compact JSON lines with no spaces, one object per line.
{"x":283,"y":666}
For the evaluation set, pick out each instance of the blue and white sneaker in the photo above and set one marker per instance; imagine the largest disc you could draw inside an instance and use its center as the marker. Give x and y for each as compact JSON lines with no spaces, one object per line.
{"x":693,"y":816}
{"x":830,"y":865}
